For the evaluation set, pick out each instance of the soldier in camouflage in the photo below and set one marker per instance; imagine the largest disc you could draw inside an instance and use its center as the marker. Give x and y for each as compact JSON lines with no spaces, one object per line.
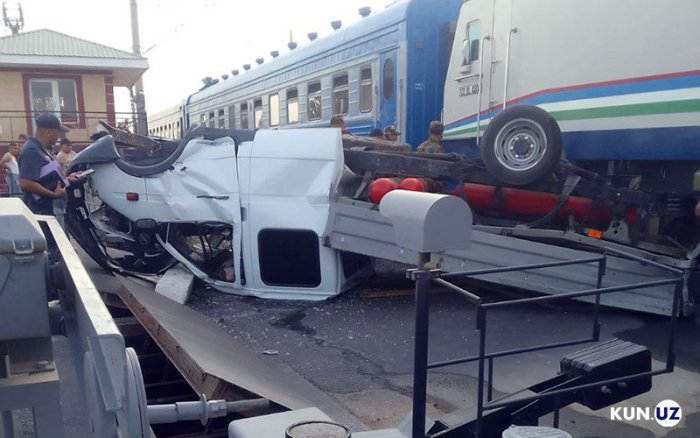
{"x":432,"y":145}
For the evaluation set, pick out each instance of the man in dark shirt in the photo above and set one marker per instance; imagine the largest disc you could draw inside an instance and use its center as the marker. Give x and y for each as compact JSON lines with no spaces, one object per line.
{"x":33,"y":157}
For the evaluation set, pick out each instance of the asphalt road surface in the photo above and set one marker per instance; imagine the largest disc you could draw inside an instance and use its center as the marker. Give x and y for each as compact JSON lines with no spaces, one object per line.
{"x":358,"y":347}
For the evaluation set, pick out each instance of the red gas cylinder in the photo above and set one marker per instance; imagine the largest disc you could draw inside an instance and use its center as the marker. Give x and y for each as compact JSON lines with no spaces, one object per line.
{"x":420,"y":185}
{"x":529,"y":203}
{"x":479,"y":196}
{"x":380,"y":187}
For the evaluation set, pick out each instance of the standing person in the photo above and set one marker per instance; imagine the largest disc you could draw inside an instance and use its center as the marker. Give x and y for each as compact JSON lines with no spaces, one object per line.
{"x":337,"y":121}
{"x":9,"y":161}
{"x":34,"y":156}
{"x":64,"y":158}
{"x":65,"y":155}
{"x":391,"y":134}
{"x":22,"y":139}
{"x":432,"y":145}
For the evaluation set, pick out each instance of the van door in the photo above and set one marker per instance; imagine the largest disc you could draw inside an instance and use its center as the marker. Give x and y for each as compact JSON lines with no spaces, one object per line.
{"x":468,"y":87}
{"x":287,"y":177}
{"x":200,"y":200}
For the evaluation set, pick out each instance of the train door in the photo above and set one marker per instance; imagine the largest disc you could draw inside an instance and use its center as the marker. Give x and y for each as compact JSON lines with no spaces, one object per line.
{"x":388,"y":85}
{"x":469,"y":88}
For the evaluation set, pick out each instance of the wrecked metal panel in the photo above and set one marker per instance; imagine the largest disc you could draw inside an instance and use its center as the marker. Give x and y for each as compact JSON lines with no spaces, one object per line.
{"x":201,"y":186}
{"x":358,"y":227}
{"x":286,"y":179}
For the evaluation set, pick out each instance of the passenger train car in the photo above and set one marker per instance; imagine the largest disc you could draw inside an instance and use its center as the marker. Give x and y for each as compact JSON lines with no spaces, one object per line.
{"x":386,"y":69}
{"x":166,"y":123}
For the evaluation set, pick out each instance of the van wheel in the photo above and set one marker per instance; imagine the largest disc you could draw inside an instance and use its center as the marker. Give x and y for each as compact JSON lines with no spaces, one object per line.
{"x":521,"y":145}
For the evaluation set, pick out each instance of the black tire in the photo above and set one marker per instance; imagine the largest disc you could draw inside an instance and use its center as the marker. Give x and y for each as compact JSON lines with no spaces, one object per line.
{"x":521,"y":145}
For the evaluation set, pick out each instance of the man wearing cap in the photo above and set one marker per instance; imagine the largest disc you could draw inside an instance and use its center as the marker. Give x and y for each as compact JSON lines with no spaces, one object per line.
{"x":35,"y":155}
{"x":432,"y":145}
{"x":391,"y":134}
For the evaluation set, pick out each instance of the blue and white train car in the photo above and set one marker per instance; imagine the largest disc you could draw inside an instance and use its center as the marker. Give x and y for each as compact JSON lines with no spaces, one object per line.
{"x":166,"y":123}
{"x":387,"y":69}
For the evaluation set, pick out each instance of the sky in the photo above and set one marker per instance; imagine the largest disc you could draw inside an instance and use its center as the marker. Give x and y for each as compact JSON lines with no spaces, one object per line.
{"x":187,"y":40}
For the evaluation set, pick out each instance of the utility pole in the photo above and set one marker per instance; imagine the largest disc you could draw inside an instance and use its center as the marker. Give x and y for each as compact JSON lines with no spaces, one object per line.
{"x":14,"y":23}
{"x":139,"y":99}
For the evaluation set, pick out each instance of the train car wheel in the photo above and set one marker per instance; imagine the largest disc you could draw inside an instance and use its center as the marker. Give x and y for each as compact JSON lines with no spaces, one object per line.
{"x":521,"y":145}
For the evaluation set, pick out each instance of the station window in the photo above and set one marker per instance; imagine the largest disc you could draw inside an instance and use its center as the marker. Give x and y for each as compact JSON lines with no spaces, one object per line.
{"x":341,"y":94}
{"x":366,"y":90}
{"x":222,"y":119}
{"x":203,"y":120}
{"x":388,"y":87}
{"x":274,"y":109}
{"x":314,"y":107}
{"x":292,"y":106}
{"x":470,"y":45}
{"x":257,"y":113}
{"x":244,"y":116}
{"x":212,"y":120}
{"x":57,"y":96}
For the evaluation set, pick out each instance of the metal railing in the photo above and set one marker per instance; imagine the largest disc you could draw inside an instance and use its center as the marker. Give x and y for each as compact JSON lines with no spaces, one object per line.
{"x":16,"y":122}
{"x":485,"y":358}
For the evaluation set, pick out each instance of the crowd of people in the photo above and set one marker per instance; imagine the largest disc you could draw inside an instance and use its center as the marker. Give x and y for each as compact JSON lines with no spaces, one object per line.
{"x":432,"y":145}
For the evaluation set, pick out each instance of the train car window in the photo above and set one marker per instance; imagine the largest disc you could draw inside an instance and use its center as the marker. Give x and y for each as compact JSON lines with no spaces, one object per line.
{"x":470,"y":45}
{"x":388,"y":87}
{"x":212,"y":120}
{"x":292,"y":106}
{"x":366,"y":90}
{"x":244,"y":115}
{"x":232,"y":116}
{"x":274,"y":109}
{"x":222,"y":119}
{"x":341,"y":94}
{"x":257,"y":113}
{"x":314,"y":107}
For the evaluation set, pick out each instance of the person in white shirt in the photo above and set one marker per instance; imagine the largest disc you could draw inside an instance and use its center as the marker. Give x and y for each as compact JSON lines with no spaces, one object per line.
{"x":65,"y":155}
{"x":9,"y":161}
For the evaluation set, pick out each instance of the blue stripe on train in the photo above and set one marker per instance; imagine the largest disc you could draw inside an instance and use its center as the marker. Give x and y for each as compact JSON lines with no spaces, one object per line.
{"x":642,"y":86}
{"x":681,"y":143}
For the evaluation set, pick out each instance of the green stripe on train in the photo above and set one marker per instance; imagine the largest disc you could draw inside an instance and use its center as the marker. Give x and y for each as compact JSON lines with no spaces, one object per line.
{"x":641,"y":109}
